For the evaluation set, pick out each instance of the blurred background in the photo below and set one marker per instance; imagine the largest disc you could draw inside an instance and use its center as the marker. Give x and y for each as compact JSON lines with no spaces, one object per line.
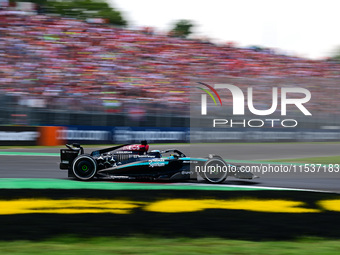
{"x":94,"y":70}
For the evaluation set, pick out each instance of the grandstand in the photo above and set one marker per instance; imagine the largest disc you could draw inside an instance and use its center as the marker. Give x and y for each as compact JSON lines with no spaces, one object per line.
{"x":54,"y":67}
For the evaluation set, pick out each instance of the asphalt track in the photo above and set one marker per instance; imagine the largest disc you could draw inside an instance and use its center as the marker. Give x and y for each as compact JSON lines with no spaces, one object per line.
{"x":38,"y":166}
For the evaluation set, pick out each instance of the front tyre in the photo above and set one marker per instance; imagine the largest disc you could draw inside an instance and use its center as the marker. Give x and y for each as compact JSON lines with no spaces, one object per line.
{"x":215,"y":170}
{"x":84,"y":167}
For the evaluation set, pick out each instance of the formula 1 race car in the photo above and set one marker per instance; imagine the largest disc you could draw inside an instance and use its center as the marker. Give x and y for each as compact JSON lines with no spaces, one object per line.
{"x":134,"y":162}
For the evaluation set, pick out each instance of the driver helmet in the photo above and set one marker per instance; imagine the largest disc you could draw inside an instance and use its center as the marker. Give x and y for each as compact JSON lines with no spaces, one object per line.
{"x":144,"y":147}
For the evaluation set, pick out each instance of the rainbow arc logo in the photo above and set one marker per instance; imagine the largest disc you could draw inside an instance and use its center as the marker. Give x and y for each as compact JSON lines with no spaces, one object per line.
{"x":204,"y":97}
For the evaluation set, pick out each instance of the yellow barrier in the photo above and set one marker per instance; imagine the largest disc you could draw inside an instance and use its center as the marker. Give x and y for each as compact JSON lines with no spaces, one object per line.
{"x":74,"y":206}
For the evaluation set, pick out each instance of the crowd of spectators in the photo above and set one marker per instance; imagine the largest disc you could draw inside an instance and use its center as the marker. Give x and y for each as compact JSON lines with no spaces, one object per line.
{"x":63,"y":63}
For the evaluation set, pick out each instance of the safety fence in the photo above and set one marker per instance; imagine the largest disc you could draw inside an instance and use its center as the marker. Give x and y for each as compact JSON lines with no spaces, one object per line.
{"x":59,"y":135}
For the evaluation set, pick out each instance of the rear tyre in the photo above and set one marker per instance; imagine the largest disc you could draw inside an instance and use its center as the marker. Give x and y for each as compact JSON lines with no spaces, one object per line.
{"x":215,"y":171}
{"x":84,"y":167}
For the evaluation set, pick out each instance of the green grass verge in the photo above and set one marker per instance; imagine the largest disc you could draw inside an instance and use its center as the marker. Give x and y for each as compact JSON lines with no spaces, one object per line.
{"x":40,"y":183}
{"x":313,"y":160}
{"x":151,"y":245}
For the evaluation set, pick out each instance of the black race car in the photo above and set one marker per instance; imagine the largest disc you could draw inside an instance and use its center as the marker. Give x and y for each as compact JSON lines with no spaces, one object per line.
{"x":134,"y":162}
